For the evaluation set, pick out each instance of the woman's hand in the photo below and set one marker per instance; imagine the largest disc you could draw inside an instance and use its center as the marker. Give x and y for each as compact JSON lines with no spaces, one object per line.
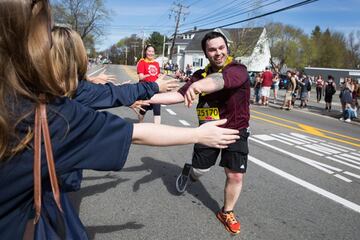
{"x":137,"y":106}
{"x":210,"y":134}
{"x":166,"y":85}
{"x":102,"y":78}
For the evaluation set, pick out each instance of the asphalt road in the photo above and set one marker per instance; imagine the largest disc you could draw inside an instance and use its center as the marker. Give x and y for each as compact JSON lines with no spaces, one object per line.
{"x":303,"y":182}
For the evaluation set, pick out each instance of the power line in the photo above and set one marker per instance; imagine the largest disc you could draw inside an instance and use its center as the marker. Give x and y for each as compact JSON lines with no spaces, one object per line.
{"x":238,"y":11}
{"x":219,"y":10}
{"x":238,"y":14}
{"x":266,"y":14}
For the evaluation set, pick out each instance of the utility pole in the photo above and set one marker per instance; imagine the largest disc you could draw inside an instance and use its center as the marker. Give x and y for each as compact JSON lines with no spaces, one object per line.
{"x":143,"y":41}
{"x":163,"y":51}
{"x":178,"y":10}
{"x":126,"y":55}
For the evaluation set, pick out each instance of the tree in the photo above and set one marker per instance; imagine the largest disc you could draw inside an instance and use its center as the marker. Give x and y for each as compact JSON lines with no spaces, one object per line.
{"x":285,"y":45}
{"x":131,"y":49}
{"x":330,"y":56}
{"x":353,"y":54}
{"x":87,"y":17}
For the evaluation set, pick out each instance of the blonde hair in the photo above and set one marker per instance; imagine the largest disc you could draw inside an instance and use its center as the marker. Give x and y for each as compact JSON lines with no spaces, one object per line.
{"x":69,"y":58}
{"x":25,"y":67}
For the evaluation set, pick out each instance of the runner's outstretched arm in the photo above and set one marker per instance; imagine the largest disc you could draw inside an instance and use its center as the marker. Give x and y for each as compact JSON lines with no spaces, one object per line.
{"x":212,"y":83}
{"x":167,"y":98}
{"x":163,"y":135}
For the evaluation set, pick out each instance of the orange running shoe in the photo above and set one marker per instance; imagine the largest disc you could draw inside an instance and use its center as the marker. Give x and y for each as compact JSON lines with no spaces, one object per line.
{"x":229,"y":221}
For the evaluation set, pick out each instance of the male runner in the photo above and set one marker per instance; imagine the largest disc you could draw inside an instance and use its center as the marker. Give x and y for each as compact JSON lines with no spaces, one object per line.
{"x":224,"y":89}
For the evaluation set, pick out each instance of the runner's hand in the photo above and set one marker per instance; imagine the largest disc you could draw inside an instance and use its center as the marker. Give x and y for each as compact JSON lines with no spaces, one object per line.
{"x":210,"y":134}
{"x":191,"y":94}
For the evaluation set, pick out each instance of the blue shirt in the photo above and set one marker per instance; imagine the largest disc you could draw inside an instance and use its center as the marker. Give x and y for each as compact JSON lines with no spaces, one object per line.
{"x":82,"y":139}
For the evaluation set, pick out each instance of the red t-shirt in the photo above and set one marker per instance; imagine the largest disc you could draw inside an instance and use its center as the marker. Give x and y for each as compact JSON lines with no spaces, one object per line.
{"x":145,"y":67}
{"x":267,"y":79}
{"x":233,"y":100}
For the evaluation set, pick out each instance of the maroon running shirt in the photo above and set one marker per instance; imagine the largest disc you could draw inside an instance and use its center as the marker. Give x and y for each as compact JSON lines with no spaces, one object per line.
{"x":232,"y":101}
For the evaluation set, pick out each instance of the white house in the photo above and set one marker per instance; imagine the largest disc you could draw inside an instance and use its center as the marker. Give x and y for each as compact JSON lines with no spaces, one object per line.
{"x":252,"y":44}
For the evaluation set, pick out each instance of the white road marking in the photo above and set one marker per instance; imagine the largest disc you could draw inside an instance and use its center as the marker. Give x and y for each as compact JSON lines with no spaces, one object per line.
{"x":294,"y":138}
{"x":271,"y":138}
{"x":185,"y":123}
{"x":337,"y":145}
{"x":351,"y":157}
{"x":343,"y":178}
{"x":345,"y":159}
{"x":353,"y":153}
{"x":298,"y":157}
{"x":332,"y":147}
{"x":163,"y":105}
{"x":322,"y":149}
{"x":353,"y":206}
{"x":352,"y":174}
{"x":284,"y":138}
{"x":171,"y":112}
{"x":342,"y":162}
{"x":89,"y":75}
{"x":307,"y":138}
{"x":308,"y":150}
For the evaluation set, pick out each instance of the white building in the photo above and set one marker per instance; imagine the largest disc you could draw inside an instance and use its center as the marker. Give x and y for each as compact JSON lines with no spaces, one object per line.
{"x":252,"y":46}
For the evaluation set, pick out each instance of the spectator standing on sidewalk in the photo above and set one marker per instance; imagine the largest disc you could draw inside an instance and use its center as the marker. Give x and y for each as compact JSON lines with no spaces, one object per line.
{"x":148,"y":71}
{"x":319,"y":87}
{"x":275,"y":85}
{"x":346,"y":97}
{"x":267,"y":81}
{"x":356,"y":93}
{"x":257,"y":88}
{"x":290,"y":89}
{"x":330,"y":90}
{"x":304,"y":84}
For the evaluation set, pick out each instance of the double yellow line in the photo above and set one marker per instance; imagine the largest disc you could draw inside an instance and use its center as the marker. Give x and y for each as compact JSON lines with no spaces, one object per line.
{"x":306,"y":128}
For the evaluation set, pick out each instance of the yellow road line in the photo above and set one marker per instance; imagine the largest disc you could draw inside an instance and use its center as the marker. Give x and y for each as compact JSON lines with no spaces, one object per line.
{"x":308,"y":130}
{"x":319,"y":130}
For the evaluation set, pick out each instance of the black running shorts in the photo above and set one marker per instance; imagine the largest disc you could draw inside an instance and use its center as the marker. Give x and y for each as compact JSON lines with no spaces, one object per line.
{"x":155,"y":107}
{"x":234,"y":157}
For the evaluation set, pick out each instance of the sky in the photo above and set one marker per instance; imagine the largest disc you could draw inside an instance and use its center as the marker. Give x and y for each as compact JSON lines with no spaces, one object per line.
{"x":144,"y":17}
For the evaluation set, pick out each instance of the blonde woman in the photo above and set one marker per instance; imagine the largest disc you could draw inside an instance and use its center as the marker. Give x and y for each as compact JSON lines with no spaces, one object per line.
{"x":81,"y":137}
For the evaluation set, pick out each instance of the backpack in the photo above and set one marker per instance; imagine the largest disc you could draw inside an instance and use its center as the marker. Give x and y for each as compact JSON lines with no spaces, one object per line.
{"x":330,"y":89}
{"x":308,"y":87}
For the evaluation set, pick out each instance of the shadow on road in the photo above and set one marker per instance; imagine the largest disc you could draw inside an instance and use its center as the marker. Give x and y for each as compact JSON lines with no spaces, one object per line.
{"x":77,"y":197}
{"x":168,"y":173}
{"x":93,"y":230}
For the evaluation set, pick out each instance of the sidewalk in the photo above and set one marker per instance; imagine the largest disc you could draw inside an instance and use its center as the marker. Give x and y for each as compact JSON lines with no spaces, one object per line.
{"x":313,"y":106}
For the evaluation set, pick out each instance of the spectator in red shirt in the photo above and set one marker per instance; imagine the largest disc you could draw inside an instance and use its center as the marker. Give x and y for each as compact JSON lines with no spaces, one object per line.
{"x":224,"y":89}
{"x":267,"y":81}
{"x":148,"y":71}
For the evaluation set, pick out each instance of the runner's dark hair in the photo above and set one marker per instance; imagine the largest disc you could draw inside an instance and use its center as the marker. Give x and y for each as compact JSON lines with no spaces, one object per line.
{"x":209,"y":36}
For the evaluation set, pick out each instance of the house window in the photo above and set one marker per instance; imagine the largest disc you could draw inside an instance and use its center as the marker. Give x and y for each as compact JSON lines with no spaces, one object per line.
{"x":197,"y":62}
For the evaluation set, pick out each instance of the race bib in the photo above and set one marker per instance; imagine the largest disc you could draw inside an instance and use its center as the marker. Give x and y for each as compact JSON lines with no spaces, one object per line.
{"x":208,"y":114}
